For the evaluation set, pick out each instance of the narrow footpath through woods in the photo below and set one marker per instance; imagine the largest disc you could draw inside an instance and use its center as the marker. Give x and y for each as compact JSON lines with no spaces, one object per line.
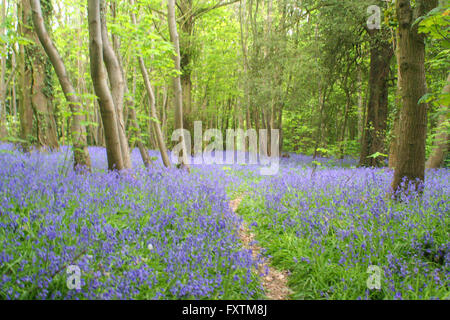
{"x":274,"y":281}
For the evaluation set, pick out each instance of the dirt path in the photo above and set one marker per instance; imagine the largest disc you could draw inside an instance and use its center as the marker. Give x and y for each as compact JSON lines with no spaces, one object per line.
{"x":275,"y":282}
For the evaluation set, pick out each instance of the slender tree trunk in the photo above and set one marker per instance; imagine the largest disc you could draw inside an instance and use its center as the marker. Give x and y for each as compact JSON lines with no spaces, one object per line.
{"x":100,"y":82}
{"x":343,"y":139}
{"x":321,"y":99}
{"x":244,"y":44}
{"x":361,"y":118}
{"x":164,"y":111}
{"x":187,"y":24}
{"x":381,"y":52}
{"x":13,"y":89}
{"x":176,"y":80}
{"x":25,"y":110}
{"x":319,"y":126}
{"x":439,"y":153}
{"x":410,"y":163}
{"x":3,"y":131}
{"x":117,"y":83}
{"x":80,"y":150}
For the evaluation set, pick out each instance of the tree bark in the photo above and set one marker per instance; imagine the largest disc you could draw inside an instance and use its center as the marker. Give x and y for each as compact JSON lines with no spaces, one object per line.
{"x":99,"y":79}
{"x":439,"y":153}
{"x":3,"y":131}
{"x":25,"y":110}
{"x":177,"y":80}
{"x":80,"y":150}
{"x":13,"y":88}
{"x":343,"y":139}
{"x":40,"y":89}
{"x":410,"y":164}
{"x":393,"y":145}
{"x":381,"y":52}
{"x":187,"y":24}
{"x":361,"y":106}
{"x":117,"y":83}
{"x":42,"y":106}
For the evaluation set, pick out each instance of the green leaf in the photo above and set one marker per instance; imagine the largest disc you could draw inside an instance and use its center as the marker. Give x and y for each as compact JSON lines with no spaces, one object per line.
{"x":378,"y":154}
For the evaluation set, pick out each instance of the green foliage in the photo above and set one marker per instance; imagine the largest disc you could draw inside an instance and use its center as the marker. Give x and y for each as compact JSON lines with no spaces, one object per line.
{"x":309,"y":63}
{"x":377,"y":155}
{"x":436,"y":24}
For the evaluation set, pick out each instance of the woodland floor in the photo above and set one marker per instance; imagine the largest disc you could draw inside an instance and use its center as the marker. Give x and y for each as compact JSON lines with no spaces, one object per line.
{"x":220,"y":232}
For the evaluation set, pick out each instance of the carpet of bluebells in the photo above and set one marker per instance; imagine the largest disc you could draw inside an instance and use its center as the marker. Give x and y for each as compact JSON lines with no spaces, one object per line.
{"x":326,"y":226}
{"x":164,"y":234}
{"x":145,"y":234}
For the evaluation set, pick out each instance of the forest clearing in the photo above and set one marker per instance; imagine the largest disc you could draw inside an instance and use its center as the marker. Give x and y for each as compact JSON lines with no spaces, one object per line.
{"x":224,"y":150}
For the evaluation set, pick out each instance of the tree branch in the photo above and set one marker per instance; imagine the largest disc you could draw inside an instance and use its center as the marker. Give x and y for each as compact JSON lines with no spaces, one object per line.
{"x":220,"y":4}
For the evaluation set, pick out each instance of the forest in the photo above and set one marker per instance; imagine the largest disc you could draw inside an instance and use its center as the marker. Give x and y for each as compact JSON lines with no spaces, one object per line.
{"x":224,"y":150}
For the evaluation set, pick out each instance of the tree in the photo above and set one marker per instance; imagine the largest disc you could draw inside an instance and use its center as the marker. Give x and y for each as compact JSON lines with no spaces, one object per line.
{"x":410,"y":163}
{"x":117,"y":82}
{"x":78,"y":130}
{"x":3,"y":71}
{"x":25,"y":110}
{"x":177,"y":82}
{"x":41,"y":84}
{"x":381,"y":52}
{"x":99,"y":78}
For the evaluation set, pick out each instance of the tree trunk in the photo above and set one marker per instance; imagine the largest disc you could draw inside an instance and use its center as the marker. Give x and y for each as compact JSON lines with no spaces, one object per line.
{"x":42,"y":106}
{"x":100,"y":130}
{"x":244,"y":44}
{"x":80,"y":150}
{"x":13,"y":89}
{"x":381,"y":52}
{"x":41,"y":89}
{"x":319,"y":125}
{"x":439,"y":153}
{"x":394,"y":136}
{"x":3,"y":131}
{"x":164,"y":111}
{"x":177,"y":81}
{"x":361,"y":106}
{"x":100,"y":82}
{"x":117,"y":83}
{"x":410,"y":164}
{"x":343,"y":139}
{"x":187,"y":24}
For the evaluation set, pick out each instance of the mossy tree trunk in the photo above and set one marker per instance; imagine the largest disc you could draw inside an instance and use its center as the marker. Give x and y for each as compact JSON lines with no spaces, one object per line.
{"x":78,"y":130}
{"x":41,"y":83}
